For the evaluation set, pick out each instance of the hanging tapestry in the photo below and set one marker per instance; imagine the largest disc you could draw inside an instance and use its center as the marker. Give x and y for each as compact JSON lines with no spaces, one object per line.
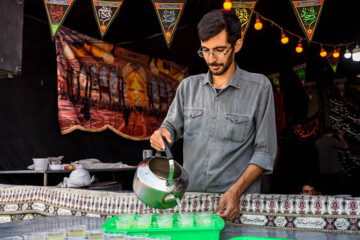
{"x":169,"y":13}
{"x":346,"y":118}
{"x":308,"y":13}
{"x":105,"y":12}
{"x":310,"y":88}
{"x":308,"y":128}
{"x":101,"y":86}
{"x":340,"y":84}
{"x":57,"y":11}
{"x":300,"y":71}
{"x":243,"y":11}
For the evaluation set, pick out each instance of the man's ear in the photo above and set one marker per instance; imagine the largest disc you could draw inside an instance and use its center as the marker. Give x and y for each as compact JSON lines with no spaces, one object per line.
{"x":238,"y":45}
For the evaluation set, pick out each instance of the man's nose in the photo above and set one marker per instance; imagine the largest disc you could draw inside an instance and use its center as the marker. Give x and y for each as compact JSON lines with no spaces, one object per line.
{"x":212,"y":57}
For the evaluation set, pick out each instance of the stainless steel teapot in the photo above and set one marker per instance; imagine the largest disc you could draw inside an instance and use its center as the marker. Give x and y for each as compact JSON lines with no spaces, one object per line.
{"x":159,"y":181}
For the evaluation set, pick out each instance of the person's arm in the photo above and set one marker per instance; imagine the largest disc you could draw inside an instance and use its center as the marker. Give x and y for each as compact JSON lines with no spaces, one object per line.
{"x":173,"y":125}
{"x":265,"y":146}
{"x":231,"y":198}
{"x":342,"y":139}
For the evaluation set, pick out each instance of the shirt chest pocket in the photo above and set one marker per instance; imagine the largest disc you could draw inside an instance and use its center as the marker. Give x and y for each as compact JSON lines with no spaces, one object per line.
{"x":236,"y":126}
{"x":193,"y":119}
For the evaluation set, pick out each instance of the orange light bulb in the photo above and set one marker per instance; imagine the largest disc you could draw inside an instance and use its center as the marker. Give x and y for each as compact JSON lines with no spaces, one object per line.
{"x":323,"y":53}
{"x":299,"y":48}
{"x":284,"y":39}
{"x":336,"y":54}
{"x":227,"y":5}
{"x":258,"y":24}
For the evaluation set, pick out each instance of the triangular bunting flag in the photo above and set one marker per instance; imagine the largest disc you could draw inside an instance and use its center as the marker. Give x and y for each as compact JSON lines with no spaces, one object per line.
{"x":300,"y":71}
{"x":308,"y":13}
{"x":333,"y":61}
{"x":243,"y":11}
{"x":105,"y":12}
{"x":340,"y":84}
{"x":57,"y":11}
{"x":169,"y":13}
{"x":310,"y":88}
{"x":275,"y":81}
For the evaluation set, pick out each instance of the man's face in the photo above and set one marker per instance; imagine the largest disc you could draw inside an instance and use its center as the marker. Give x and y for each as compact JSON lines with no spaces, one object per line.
{"x":308,"y":190}
{"x":223,"y":51}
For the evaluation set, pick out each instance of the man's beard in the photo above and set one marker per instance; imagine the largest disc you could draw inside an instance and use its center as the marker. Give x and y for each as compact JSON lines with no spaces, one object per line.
{"x":225,"y":68}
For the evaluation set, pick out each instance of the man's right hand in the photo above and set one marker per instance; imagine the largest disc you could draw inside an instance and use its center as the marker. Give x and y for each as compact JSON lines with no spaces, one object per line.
{"x":156,"y":139}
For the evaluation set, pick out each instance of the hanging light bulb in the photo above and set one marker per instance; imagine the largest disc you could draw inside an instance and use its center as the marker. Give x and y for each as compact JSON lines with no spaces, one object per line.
{"x":227,"y":5}
{"x":336,"y":54}
{"x":258,"y":24}
{"x":323,"y":53}
{"x":284,"y":38}
{"x":356,"y":53}
{"x":299,"y":47}
{"x":347,"y":53}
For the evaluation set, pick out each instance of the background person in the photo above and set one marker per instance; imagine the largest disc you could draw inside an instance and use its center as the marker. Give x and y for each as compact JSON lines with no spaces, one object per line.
{"x":308,"y":188}
{"x":327,"y":148}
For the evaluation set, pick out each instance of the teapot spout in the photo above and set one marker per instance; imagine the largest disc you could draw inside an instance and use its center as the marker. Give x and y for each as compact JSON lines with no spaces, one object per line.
{"x":169,"y":198}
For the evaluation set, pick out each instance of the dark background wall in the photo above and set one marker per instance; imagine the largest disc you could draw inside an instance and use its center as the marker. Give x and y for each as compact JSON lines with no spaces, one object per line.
{"x":28,"y":103}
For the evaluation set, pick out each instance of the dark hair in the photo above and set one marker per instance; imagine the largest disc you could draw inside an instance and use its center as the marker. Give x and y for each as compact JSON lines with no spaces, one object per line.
{"x":306,"y":182}
{"x":328,"y":130}
{"x":215,"y":21}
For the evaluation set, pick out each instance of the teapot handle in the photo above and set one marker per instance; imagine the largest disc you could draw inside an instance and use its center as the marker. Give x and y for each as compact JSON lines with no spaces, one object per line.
{"x":169,"y":155}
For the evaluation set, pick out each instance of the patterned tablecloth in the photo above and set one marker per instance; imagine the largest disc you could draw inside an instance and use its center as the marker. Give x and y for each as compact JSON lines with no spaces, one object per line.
{"x":290,"y":212}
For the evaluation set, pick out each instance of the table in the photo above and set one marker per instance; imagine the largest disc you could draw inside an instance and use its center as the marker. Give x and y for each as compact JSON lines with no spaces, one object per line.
{"x":47,"y":172}
{"x":47,"y":223}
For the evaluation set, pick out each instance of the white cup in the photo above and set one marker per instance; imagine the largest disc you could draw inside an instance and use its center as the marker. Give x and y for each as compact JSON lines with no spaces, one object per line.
{"x":41,"y":164}
{"x":147,"y":153}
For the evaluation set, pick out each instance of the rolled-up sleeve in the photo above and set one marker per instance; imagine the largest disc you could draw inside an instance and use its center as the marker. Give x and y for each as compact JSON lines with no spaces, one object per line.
{"x":265,"y":144}
{"x":174,"y":120}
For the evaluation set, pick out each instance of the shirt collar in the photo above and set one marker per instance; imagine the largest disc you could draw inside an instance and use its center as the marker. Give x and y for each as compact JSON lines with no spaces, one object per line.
{"x":234,"y":81}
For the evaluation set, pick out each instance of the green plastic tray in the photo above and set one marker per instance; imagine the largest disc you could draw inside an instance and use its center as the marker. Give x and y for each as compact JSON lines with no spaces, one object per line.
{"x":257,"y":238}
{"x":176,"y":233}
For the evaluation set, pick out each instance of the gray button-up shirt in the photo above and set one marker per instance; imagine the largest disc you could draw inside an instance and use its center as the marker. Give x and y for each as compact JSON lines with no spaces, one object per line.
{"x":225,"y":132}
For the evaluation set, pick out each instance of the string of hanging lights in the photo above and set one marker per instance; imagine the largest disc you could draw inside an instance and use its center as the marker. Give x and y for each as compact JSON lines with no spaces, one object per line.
{"x":355,"y":54}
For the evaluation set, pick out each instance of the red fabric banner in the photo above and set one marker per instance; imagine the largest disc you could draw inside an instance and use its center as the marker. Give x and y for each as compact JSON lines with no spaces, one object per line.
{"x":101,"y":86}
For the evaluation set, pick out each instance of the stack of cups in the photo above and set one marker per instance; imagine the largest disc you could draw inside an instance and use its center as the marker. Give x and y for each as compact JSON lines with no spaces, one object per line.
{"x":137,"y":236}
{"x":96,"y":234}
{"x":164,"y":220}
{"x":76,"y":232}
{"x":56,"y":234}
{"x":185,"y":220}
{"x":142,"y":221}
{"x":35,"y":236}
{"x":160,"y":237}
{"x":204,"y":220}
{"x":124,"y":222}
{"x":116,"y":235}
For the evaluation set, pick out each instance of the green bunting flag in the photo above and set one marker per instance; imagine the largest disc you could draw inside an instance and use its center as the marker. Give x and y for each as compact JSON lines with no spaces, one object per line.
{"x":243,"y":11}
{"x":308,"y":13}
{"x":169,"y":13}
{"x":310,"y":88}
{"x":57,"y":11}
{"x":333,"y":61}
{"x":105,"y":12}
{"x":275,"y":81}
{"x":300,"y":71}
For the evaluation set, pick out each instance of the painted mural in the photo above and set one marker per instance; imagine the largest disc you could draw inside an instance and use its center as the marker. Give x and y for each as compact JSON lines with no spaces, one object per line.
{"x":102,"y":86}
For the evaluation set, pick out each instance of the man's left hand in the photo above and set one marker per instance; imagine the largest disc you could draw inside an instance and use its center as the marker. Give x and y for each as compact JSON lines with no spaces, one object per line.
{"x":229,"y":207}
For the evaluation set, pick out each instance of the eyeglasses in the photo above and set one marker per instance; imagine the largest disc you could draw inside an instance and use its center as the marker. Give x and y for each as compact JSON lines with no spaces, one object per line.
{"x":218,"y":53}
